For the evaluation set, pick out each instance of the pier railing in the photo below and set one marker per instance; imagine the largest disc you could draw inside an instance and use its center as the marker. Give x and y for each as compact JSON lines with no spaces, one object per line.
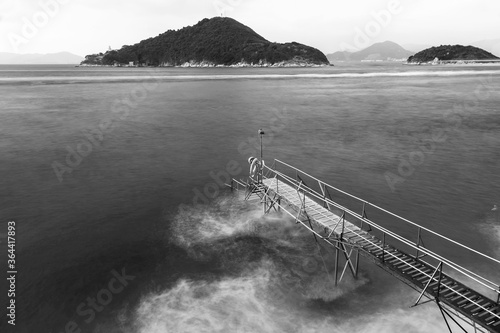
{"x":342,"y":203}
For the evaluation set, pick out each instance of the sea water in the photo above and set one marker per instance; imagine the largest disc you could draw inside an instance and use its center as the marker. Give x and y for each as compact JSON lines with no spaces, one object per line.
{"x":114,"y":177}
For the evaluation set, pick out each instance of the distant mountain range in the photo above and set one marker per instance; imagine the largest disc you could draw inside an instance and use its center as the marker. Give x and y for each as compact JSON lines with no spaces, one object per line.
{"x":379,"y":51}
{"x":219,"y":41}
{"x":415,"y":47}
{"x":60,"y":58}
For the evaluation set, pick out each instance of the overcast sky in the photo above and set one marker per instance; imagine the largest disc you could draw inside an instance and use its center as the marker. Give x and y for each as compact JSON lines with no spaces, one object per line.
{"x":90,"y":26}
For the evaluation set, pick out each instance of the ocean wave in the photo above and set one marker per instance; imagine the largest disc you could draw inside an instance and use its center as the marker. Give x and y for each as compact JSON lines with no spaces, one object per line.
{"x":134,"y":78}
{"x":266,"y":294}
{"x":288,"y":288}
{"x":231,"y":305}
{"x":253,"y":302}
{"x":239,"y":235}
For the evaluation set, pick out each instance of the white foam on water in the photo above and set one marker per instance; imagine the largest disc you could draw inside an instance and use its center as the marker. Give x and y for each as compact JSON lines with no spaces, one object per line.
{"x":231,"y":305}
{"x":224,"y":218}
{"x":425,"y":320}
{"x":490,"y":227}
{"x":228,"y":217}
{"x":495,"y":232}
{"x":254,"y":303}
{"x":102,"y":78}
{"x":290,"y":289}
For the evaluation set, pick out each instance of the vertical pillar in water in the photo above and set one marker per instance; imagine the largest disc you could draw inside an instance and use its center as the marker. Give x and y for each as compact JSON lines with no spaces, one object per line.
{"x":357,"y":264}
{"x":336,"y":262}
{"x":265,"y":203}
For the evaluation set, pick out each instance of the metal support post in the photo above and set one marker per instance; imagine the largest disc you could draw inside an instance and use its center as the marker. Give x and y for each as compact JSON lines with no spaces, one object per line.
{"x":343,"y":227}
{"x":265,"y":203}
{"x":310,"y":224}
{"x":418,"y":241}
{"x":383,"y":247}
{"x":444,"y":317}
{"x":439,"y":279}
{"x":444,"y":312}
{"x":336,"y":262}
{"x":438,"y":268}
{"x":365,"y":216}
{"x":357,"y":264}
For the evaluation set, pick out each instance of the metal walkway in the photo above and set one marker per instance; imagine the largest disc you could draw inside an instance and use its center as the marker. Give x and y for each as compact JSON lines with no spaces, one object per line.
{"x":352,"y":234}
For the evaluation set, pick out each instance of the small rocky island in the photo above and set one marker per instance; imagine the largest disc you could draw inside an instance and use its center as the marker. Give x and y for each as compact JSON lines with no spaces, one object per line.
{"x":216,"y":42}
{"x":452,"y":54}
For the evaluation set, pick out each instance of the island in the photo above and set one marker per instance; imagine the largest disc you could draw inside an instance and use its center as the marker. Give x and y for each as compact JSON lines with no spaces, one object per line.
{"x":452,"y":54}
{"x":215,"y":42}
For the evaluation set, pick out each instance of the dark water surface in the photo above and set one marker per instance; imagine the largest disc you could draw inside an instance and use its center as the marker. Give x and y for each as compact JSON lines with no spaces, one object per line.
{"x":95,"y":163}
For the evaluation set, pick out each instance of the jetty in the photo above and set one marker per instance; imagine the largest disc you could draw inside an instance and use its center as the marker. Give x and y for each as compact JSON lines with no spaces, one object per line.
{"x":342,"y":221}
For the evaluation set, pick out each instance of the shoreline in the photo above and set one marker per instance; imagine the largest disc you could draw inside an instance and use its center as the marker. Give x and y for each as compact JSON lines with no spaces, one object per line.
{"x":454,"y":62}
{"x":282,"y":64}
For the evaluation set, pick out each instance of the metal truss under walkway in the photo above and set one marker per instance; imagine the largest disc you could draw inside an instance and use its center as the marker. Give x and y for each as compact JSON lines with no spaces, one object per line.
{"x":461,"y":295}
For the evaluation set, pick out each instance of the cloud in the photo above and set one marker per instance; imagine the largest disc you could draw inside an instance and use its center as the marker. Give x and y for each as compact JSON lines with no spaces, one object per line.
{"x":91,"y":26}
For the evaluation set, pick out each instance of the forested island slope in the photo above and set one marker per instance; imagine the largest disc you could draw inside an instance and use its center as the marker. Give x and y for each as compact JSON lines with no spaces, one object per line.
{"x":450,"y":53}
{"x":220,"y":41}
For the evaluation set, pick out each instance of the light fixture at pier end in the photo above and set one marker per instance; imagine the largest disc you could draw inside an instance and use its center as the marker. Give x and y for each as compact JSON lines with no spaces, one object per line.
{"x":261,"y":133}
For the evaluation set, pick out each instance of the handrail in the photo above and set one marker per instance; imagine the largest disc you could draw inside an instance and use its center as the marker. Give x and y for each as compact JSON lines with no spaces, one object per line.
{"x":476,"y":277}
{"x":395,"y":215}
{"x":404,"y":240}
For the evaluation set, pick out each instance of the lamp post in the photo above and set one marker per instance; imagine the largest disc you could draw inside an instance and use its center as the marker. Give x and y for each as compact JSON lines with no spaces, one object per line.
{"x":261,"y":133}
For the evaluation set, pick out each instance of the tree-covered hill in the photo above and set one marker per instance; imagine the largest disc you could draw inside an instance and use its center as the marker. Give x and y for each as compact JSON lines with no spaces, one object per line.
{"x":451,"y":52}
{"x":216,"y":41}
